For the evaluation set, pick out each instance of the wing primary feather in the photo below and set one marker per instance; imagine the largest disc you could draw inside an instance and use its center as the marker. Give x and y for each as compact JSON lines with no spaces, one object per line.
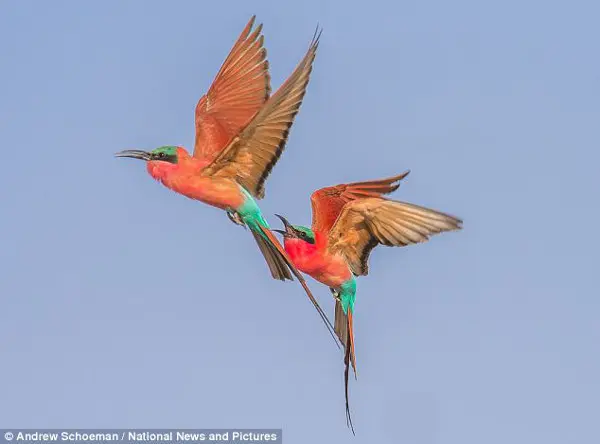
{"x":300,"y":96}
{"x":251,"y":155}
{"x":327,"y":203}
{"x":238,"y":91}
{"x":364,"y":223}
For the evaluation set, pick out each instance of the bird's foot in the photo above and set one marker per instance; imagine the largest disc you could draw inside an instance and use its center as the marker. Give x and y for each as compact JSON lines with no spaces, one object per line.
{"x":235,"y":218}
{"x":335,"y":293}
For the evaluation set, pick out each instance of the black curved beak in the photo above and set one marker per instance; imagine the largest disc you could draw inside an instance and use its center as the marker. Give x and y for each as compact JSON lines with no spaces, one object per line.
{"x":134,"y":154}
{"x":289,"y":231}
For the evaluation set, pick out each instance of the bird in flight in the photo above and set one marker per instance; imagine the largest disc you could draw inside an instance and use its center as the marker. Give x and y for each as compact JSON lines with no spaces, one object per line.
{"x":241,"y":132}
{"x":348,"y":221}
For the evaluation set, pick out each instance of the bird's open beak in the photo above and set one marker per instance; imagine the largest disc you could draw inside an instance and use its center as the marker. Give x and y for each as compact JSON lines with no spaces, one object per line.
{"x":134,"y":154}
{"x":289,"y":231}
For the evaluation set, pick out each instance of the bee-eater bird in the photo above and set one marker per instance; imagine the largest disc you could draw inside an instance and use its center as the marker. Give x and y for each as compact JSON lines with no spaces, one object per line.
{"x":348,"y":221}
{"x":240,"y":134}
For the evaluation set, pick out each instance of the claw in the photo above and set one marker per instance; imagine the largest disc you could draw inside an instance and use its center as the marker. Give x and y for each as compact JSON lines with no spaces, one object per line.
{"x":335,"y":293}
{"x":235,"y":218}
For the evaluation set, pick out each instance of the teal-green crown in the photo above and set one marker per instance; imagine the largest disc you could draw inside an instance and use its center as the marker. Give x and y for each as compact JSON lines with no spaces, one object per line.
{"x":304,"y":233}
{"x":167,"y":153}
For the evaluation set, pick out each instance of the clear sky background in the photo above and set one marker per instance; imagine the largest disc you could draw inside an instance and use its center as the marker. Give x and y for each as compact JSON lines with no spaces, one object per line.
{"x":123,"y":304}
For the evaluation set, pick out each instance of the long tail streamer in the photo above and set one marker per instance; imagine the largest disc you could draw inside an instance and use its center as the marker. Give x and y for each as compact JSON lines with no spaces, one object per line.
{"x":349,"y":347}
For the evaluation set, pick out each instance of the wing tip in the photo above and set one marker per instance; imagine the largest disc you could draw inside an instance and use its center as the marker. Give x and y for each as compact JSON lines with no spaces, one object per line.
{"x":458,"y":223}
{"x":316,"y":36}
{"x":259,"y":190}
{"x":395,"y":182}
{"x":246,"y":31}
{"x":403,"y":175}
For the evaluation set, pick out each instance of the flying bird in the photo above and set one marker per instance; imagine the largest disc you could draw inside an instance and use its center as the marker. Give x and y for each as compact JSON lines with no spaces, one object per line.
{"x":241,"y":132}
{"x":348,"y":221}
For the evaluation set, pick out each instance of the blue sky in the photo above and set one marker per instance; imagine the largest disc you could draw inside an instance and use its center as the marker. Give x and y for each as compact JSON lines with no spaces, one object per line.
{"x":126,"y":305}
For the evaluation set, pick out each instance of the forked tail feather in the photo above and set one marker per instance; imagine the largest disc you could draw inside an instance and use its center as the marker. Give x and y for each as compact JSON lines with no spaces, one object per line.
{"x":346,"y":373}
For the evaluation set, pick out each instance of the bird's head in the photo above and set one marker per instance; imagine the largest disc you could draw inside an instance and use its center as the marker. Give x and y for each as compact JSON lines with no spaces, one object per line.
{"x":303,"y":234}
{"x":168,"y":154}
{"x":160,"y":161}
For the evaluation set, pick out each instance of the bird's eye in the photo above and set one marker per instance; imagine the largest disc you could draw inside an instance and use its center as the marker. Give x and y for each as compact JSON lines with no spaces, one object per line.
{"x":161,"y":155}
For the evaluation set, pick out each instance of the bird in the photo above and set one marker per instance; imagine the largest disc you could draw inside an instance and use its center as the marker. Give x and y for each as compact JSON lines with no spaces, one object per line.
{"x":241,"y":132}
{"x":348,"y":222}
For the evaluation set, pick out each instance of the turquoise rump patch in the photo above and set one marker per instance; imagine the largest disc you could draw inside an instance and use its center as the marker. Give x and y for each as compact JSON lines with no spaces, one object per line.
{"x":250,"y":212}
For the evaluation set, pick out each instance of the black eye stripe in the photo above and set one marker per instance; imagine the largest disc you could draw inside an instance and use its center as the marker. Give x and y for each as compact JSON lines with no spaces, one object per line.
{"x":164,"y":157}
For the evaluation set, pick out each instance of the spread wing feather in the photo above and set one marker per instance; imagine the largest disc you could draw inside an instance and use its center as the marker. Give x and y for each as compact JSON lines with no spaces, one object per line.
{"x":239,"y":90}
{"x":251,"y":155}
{"x":364,"y":224}
{"x":327,"y":203}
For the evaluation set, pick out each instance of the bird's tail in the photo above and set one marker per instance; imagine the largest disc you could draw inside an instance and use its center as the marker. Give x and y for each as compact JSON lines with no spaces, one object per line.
{"x":349,"y":358}
{"x":344,"y":331}
{"x":344,"y":311}
{"x":276,"y":262}
{"x":280,"y":264}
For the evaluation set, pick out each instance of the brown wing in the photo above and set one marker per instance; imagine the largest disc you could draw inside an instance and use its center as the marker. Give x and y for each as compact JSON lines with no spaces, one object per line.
{"x":327,"y":203}
{"x":365,"y":223}
{"x":251,"y":155}
{"x":239,"y":90}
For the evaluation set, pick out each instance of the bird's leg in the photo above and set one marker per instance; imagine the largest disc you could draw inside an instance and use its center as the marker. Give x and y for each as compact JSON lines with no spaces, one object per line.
{"x":335,"y":293}
{"x":235,"y":217}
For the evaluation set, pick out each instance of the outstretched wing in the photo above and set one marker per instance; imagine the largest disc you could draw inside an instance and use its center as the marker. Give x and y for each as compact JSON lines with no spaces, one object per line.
{"x":252,"y":154}
{"x":239,"y":90}
{"x":327,"y":203}
{"x":365,"y":223}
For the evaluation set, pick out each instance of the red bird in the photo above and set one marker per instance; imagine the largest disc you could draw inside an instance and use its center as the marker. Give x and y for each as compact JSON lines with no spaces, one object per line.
{"x":240,"y":134}
{"x":348,"y":221}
